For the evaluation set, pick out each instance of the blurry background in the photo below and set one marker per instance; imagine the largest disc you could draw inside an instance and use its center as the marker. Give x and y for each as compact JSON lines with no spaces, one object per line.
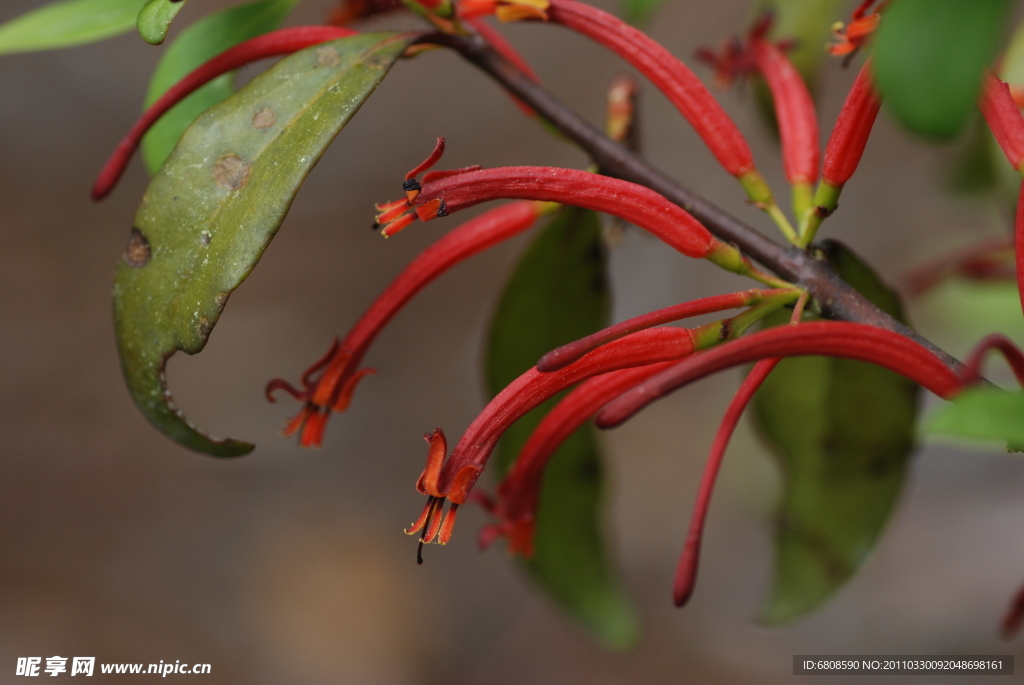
{"x":290,"y":566}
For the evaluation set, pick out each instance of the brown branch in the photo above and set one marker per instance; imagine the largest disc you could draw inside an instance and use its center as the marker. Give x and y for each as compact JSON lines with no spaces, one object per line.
{"x":835,"y":297}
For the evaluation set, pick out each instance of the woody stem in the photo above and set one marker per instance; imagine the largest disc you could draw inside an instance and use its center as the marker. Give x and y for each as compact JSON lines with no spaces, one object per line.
{"x":837,"y":299}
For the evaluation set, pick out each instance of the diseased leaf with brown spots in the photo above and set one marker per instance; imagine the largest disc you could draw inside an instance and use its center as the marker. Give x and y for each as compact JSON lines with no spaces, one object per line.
{"x":209,"y":214}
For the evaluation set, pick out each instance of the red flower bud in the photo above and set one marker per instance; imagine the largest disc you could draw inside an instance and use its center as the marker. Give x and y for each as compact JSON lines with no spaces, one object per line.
{"x":850,"y":134}
{"x":794,"y":109}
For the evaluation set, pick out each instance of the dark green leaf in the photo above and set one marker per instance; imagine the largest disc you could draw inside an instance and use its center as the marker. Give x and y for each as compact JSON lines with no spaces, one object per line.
{"x":69,"y":23}
{"x":929,"y":57}
{"x":983,"y":414}
{"x":214,"y":207}
{"x":155,"y":19}
{"x":559,"y":293}
{"x":842,"y":431}
{"x":200,"y":42}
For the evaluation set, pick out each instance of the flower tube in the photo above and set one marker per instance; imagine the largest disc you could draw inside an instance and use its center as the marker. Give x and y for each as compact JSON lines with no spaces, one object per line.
{"x":328,"y":384}
{"x":686,"y":573}
{"x":798,"y":122}
{"x":830,"y":338}
{"x":442,"y":193}
{"x":282,"y":42}
{"x":453,"y":479}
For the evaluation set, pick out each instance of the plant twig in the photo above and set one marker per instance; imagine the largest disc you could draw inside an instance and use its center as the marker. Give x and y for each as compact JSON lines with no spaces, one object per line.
{"x":835,"y":297}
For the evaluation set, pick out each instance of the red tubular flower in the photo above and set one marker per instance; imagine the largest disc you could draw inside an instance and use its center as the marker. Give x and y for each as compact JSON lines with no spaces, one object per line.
{"x":686,"y":573}
{"x":844,"y":150}
{"x":830,"y":338}
{"x":443,"y":193}
{"x":282,"y":42}
{"x":794,"y":109}
{"x":328,"y":384}
{"x":1003,"y":117}
{"x":566,"y":354}
{"x":519,"y":492}
{"x":850,"y":134}
{"x":454,"y":479}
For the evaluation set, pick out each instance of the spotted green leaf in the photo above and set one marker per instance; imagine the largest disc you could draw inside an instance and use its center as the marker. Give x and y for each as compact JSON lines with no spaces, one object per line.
{"x":983,"y":414}
{"x":842,"y":431}
{"x":198,"y":43}
{"x":929,"y":57}
{"x":155,"y":19}
{"x":211,"y":211}
{"x":69,"y":23}
{"x":558,"y":293}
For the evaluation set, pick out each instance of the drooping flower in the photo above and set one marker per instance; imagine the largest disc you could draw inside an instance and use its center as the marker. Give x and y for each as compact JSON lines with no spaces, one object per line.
{"x":444,"y":192}
{"x":844,"y":150}
{"x":454,"y":479}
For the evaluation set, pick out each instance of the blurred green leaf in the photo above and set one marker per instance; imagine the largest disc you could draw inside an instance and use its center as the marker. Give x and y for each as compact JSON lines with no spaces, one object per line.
{"x":983,"y":414}
{"x":69,"y":23}
{"x":973,"y":170}
{"x":211,"y":211}
{"x":929,"y":57}
{"x":197,"y":44}
{"x":639,"y":11}
{"x":842,"y":431}
{"x":558,"y":293}
{"x":155,"y":19}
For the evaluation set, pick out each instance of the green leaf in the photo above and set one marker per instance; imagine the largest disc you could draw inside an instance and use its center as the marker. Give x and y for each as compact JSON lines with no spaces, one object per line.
{"x":209,"y":214}
{"x":983,"y":414}
{"x":197,"y":44}
{"x":155,"y":19}
{"x":69,"y":23}
{"x":929,"y":57}
{"x":842,"y":431}
{"x":558,"y":293}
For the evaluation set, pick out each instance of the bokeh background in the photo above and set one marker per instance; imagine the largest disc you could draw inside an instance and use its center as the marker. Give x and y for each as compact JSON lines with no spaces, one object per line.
{"x":290,"y":566}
